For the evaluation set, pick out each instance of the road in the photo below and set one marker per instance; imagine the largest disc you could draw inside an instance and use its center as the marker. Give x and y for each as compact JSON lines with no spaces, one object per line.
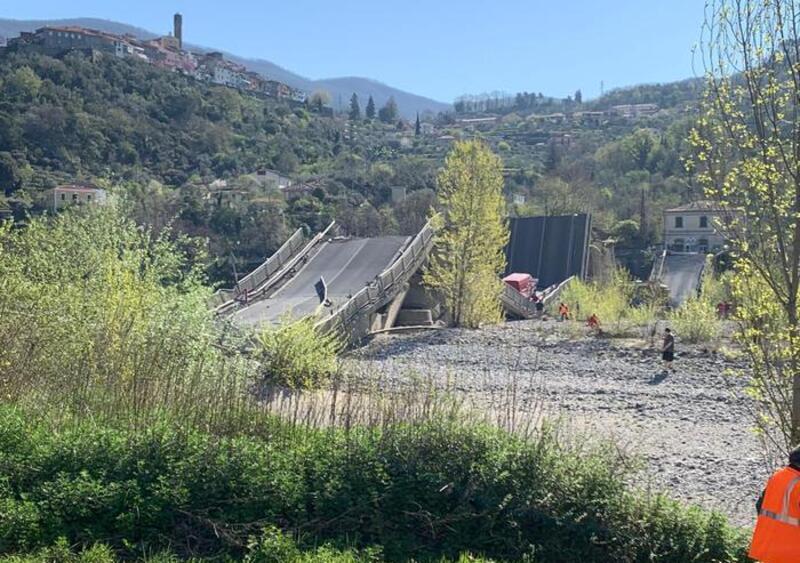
{"x":347,"y":266}
{"x":682,"y":275}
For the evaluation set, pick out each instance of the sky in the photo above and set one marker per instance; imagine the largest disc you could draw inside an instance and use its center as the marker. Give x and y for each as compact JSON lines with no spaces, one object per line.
{"x":436,"y":48}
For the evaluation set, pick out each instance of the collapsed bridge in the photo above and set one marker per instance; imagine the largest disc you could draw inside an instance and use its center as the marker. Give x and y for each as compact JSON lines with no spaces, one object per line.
{"x":356,"y":285}
{"x":362,"y":285}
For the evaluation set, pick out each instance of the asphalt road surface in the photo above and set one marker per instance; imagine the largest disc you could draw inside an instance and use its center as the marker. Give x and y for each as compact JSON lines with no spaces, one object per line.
{"x":682,"y":275}
{"x":346,"y":265}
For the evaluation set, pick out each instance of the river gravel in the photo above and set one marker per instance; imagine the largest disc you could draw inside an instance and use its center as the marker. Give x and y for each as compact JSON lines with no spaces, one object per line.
{"x":691,"y":429}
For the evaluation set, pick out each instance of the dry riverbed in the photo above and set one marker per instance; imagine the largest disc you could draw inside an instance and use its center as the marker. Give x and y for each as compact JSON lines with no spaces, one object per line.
{"x":691,"y":429}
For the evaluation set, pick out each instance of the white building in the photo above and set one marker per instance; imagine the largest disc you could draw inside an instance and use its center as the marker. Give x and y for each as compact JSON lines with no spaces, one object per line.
{"x":694,"y":227}
{"x":271,"y":179}
{"x":74,"y":194}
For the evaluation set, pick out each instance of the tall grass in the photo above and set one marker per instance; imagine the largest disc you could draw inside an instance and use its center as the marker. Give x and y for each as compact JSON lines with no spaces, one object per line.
{"x":98,"y":316}
{"x":610,"y":299}
{"x":419,"y":491}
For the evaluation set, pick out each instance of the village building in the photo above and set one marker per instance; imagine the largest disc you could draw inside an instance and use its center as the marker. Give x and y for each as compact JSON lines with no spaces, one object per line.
{"x":76,"y":194}
{"x":631,"y":111}
{"x":165,"y":52}
{"x":273,"y":179}
{"x":695,"y":227}
{"x":57,"y":40}
{"x":427,"y":128}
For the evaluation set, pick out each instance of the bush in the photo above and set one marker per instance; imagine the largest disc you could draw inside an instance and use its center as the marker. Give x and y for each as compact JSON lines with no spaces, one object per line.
{"x":695,"y":321}
{"x":611,"y":300}
{"x":98,"y":315}
{"x":422,"y":491}
{"x":295,"y":354}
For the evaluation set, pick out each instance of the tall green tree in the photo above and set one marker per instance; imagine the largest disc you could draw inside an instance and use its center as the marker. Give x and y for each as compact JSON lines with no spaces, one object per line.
{"x":747,"y":145}
{"x":355,"y":108}
{"x":417,"y":127}
{"x":370,"y":111}
{"x":389,"y":112}
{"x":469,"y":254}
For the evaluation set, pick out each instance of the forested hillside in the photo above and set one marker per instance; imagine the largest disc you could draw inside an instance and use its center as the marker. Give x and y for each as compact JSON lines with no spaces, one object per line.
{"x":160,"y":139}
{"x":118,"y":118}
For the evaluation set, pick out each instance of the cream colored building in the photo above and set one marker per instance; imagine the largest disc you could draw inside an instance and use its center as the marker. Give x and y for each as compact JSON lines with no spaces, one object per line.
{"x":76,"y":194}
{"x":694,"y":227}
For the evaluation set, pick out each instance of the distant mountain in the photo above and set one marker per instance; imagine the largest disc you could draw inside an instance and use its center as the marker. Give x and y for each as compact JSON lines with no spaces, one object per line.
{"x":340,"y":88}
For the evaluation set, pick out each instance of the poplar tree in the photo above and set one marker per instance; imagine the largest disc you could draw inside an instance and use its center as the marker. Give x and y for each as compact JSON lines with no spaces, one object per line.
{"x":469,"y":253}
{"x":417,"y":127}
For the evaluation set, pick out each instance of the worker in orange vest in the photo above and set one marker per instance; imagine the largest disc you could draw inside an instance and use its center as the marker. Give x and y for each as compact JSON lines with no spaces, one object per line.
{"x":776,"y":538}
{"x":563,"y":311}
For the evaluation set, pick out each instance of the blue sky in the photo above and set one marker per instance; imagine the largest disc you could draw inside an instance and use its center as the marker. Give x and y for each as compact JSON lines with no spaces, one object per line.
{"x":436,"y":48}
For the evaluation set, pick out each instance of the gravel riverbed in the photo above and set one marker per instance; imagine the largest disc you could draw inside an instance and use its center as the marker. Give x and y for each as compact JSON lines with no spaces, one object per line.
{"x":692,"y":429}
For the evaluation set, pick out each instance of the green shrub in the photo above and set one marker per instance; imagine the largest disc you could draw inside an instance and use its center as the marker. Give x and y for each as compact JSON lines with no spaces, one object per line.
{"x":423,"y":491}
{"x":609,"y":299}
{"x":695,"y":321}
{"x":98,"y":315}
{"x":295,"y":354}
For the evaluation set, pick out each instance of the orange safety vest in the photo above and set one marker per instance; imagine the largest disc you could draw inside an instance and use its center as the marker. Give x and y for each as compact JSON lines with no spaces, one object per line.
{"x":776,"y":538}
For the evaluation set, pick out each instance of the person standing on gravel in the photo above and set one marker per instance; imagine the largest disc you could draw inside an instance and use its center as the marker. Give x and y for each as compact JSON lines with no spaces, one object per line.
{"x":668,"y":350}
{"x":776,"y":538}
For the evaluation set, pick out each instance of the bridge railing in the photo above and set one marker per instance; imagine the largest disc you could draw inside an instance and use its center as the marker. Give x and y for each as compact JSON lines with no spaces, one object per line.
{"x":352,"y":318}
{"x":555,"y":293}
{"x":258,"y":277}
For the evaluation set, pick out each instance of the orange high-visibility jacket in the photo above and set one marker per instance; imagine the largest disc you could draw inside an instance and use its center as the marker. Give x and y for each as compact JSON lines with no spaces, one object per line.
{"x":776,"y":538}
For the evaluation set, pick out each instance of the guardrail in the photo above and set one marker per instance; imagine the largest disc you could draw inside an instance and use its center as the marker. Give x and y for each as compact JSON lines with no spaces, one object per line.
{"x":260,"y":275}
{"x":550,"y":296}
{"x":274,"y":263}
{"x":284,"y":268}
{"x":658,"y":267}
{"x":352,"y":318}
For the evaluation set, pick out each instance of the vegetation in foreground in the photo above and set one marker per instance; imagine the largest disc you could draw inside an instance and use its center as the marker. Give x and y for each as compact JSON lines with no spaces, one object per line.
{"x":422,"y":491}
{"x":128,"y":428}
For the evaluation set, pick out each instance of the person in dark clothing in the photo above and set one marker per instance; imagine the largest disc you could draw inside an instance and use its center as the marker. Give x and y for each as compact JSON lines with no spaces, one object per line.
{"x":668,"y":350}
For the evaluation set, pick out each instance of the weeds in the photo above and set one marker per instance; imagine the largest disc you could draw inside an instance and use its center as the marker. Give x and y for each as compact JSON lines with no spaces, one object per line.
{"x":296,"y":355}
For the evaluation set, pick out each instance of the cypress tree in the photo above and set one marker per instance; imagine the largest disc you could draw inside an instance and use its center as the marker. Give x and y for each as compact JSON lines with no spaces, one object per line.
{"x":370,"y":109}
{"x":355,"y":109}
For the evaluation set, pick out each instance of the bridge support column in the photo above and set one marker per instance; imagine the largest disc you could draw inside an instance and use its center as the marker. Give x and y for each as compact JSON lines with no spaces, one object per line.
{"x":383,"y":321}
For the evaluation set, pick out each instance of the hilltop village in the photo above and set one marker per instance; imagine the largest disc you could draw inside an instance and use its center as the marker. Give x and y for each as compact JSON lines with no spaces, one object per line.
{"x":164,"y":52}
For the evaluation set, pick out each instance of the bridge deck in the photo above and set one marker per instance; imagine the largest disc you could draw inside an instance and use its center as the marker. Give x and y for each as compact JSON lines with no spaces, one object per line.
{"x":681,"y":275}
{"x":346,"y":265}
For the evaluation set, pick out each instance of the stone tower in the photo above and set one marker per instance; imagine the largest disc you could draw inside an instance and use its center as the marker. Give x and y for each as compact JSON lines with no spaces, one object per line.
{"x":177,"y":25}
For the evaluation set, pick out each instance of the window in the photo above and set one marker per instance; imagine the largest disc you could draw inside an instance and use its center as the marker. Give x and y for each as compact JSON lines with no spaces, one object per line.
{"x":74,"y":197}
{"x":63,"y":197}
{"x":89,"y":197}
{"x":703,"y":222}
{"x":679,"y":223}
{"x":678,"y":245}
{"x":702,"y":245}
